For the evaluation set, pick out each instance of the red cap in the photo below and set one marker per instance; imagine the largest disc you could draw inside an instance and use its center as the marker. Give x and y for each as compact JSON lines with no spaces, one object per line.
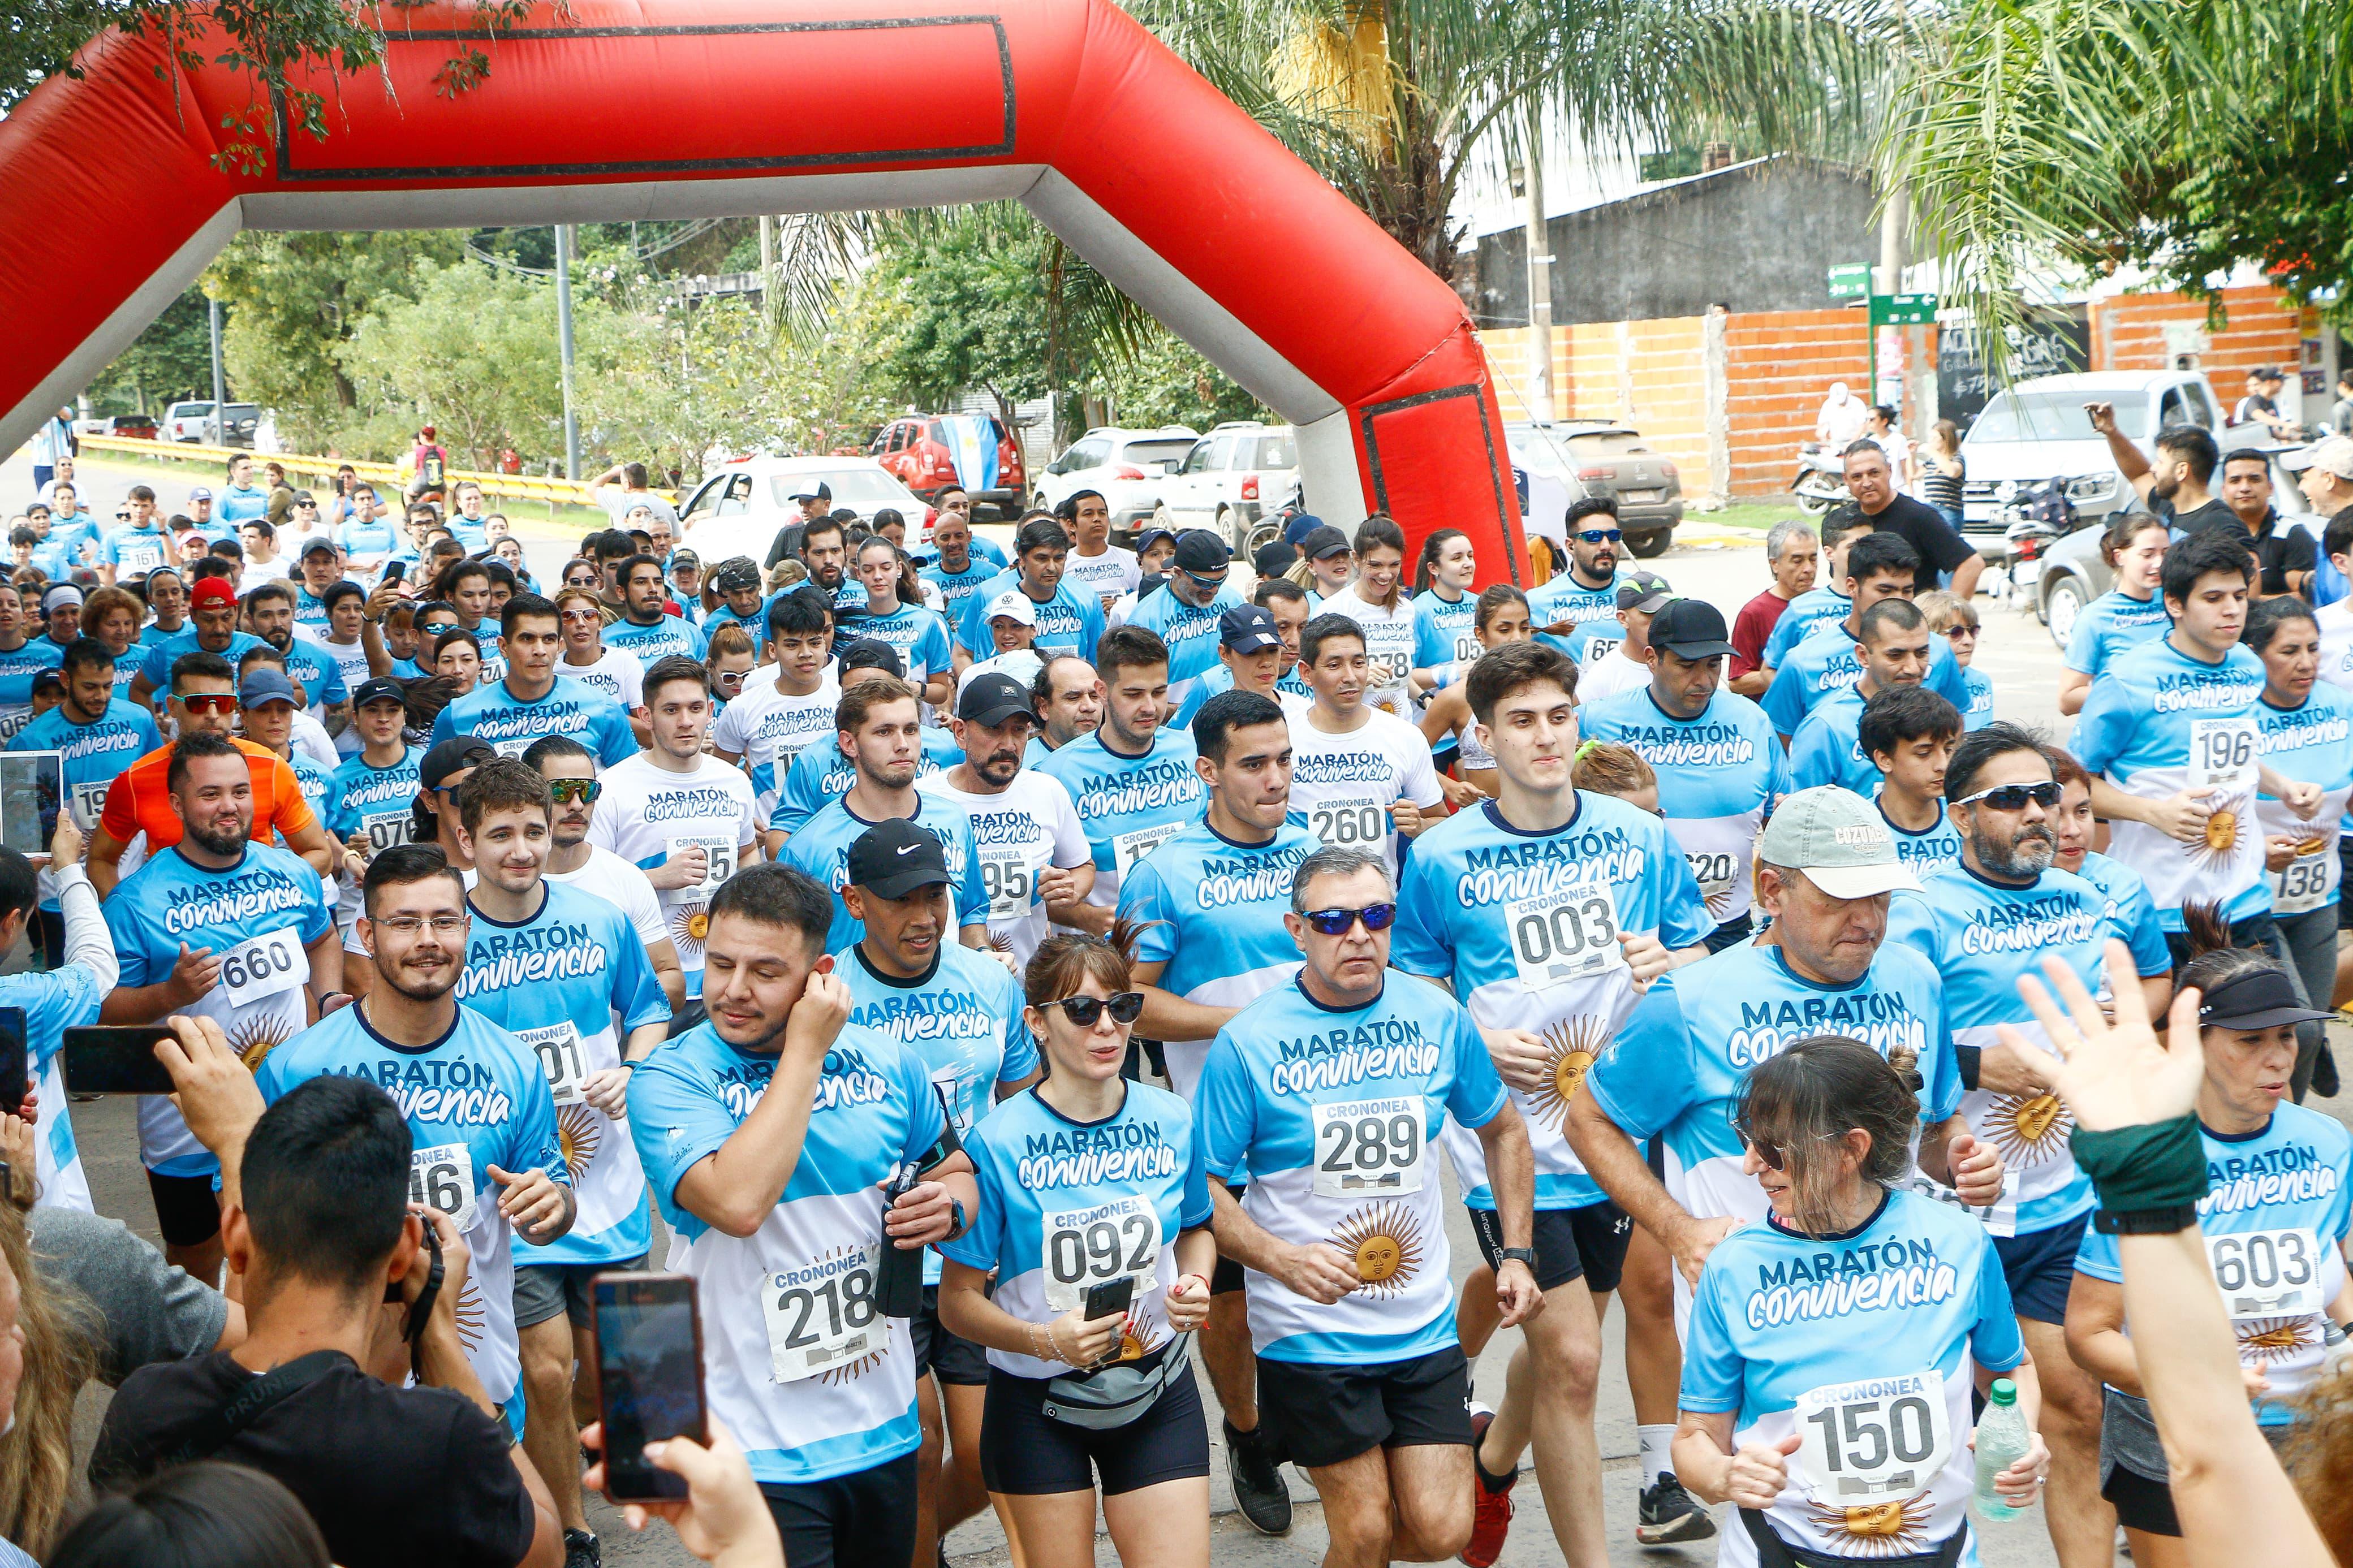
{"x":211,"y":591}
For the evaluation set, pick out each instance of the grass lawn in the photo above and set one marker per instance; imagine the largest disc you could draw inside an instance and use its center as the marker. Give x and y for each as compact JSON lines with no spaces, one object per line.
{"x":1760,"y":515}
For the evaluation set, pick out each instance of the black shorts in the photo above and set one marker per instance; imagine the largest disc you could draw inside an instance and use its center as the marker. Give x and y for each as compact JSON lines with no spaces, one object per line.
{"x":187,"y":1208}
{"x":1225,"y":1274}
{"x":1589,"y":1241}
{"x":942,"y":1354}
{"x":2140,"y":1503}
{"x":2040,"y":1268}
{"x":1023,"y":1452}
{"x":865,"y":1520}
{"x":1320,"y":1415}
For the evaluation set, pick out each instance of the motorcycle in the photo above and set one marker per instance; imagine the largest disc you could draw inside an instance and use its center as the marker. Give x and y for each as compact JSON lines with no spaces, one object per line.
{"x":2034,"y":519}
{"x":1820,"y":481}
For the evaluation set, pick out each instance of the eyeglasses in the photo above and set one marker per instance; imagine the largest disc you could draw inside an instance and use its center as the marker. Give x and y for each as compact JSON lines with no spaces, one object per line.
{"x":729,"y":676}
{"x":568,"y":792}
{"x":409,"y":925}
{"x":209,"y":702}
{"x":1217,"y":582}
{"x":1600,"y":536}
{"x":1339,"y":923}
{"x":1125,"y":1009}
{"x":437,"y":628}
{"x":1775,"y":1156}
{"x":2013,"y":798}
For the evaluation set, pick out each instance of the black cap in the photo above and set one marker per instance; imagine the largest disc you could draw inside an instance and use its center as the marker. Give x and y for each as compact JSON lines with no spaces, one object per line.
{"x":48,"y":679}
{"x":1273,"y":559}
{"x":992,"y":698}
{"x":2255,"y":999}
{"x":1152,"y":536}
{"x":1199,"y":550}
{"x":1323,"y":542}
{"x":316,"y":545}
{"x":891,"y":859}
{"x":871,"y":653}
{"x":382,"y":689}
{"x":1691,"y":628}
{"x":1248,"y":628}
{"x":454,"y":756}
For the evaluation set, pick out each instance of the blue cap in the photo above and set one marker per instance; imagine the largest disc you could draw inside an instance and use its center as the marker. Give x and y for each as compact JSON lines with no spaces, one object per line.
{"x":1152,"y":536}
{"x":262,"y":684}
{"x":1300,"y":525}
{"x":200,"y":493}
{"x":1248,"y":628}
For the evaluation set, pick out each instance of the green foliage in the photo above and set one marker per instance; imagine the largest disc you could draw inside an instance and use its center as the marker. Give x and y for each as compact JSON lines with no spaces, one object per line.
{"x":172,"y":359}
{"x":1167,"y":382}
{"x":959,"y":303}
{"x":473,"y":352}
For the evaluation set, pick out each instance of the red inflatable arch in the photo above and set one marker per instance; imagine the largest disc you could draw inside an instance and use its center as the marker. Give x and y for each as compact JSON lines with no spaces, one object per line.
{"x":673,"y":109}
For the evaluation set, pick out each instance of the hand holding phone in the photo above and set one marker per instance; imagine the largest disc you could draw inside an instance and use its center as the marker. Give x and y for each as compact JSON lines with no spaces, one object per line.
{"x":104,"y":1059}
{"x":723,"y":1513}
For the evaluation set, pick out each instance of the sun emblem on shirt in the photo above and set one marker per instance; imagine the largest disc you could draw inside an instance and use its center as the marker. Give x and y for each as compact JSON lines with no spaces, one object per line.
{"x":2028,"y":1128}
{"x":1000,"y":942}
{"x":2213,"y":852}
{"x":256,"y":1034}
{"x":474,"y":1321}
{"x":1571,"y":1047}
{"x":577,"y":1134}
{"x":1384,"y":1241}
{"x":689,"y":924}
{"x":1865,"y":1531}
{"x":2275,"y":1339}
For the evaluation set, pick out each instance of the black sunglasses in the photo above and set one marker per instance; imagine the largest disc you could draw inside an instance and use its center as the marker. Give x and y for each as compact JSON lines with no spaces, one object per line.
{"x":1125,"y":1009}
{"x":1775,"y":1156}
{"x":2013,"y":798}
{"x":1337,"y":922}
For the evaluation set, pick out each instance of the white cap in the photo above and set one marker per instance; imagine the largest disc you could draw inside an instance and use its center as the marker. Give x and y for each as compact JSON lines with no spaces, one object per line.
{"x":1015,"y":606}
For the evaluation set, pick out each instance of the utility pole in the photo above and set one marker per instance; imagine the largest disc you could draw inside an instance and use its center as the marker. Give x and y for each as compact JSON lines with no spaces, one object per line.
{"x":768,"y":270}
{"x":1540,"y":401}
{"x":564,"y":346}
{"x":220,"y":393}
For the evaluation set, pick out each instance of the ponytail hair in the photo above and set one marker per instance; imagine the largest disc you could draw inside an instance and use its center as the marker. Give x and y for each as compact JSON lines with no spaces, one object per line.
{"x":2214,"y":961}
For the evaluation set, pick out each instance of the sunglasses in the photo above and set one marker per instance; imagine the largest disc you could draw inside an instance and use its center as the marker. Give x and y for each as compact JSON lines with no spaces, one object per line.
{"x":209,"y":702}
{"x":1775,"y":1156}
{"x":729,"y":677}
{"x":1339,"y":922}
{"x":1219,"y":580}
{"x":437,"y":628}
{"x":569,"y":792}
{"x":1125,"y":1009}
{"x":1600,"y":536}
{"x":2013,"y":798}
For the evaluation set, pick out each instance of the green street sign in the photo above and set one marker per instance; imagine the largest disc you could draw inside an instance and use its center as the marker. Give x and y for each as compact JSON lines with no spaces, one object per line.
{"x":1851,"y":282}
{"x":1902,"y":310}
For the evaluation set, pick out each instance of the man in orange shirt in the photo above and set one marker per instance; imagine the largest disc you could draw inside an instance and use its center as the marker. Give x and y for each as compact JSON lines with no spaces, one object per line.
{"x":204,"y":698}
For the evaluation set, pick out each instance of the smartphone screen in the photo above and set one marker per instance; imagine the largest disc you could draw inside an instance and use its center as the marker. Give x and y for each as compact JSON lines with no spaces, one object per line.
{"x":395,"y":570}
{"x":110,"y":1060}
{"x":648,"y":1376}
{"x":32,"y":784}
{"x":16,"y":1065}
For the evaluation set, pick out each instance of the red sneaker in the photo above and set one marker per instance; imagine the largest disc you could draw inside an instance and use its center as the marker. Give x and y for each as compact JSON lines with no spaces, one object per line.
{"x":1493,"y":1520}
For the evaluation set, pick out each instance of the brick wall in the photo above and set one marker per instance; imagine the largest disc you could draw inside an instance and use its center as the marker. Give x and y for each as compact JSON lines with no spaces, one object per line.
{"x":1778,"y":367}
{"x":1649,"y":375}
{"x":2259,"y":328}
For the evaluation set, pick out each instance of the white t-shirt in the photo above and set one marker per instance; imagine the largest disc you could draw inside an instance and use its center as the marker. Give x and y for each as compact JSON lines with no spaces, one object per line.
{"x":351,"y":658}
{"x":1346,"y":784}
{"x":1022,"y":663}
{"x":1113,"y":572}
{"x":1609,"y":672}
{"x":1031,"y":825}
{"x":311,"y":739}
{"x":648,"y":813}
{"x":768,"y":728}
{"x":619,"y":675}
{"x":622,"y":885}
{"x":1388,"y":647}
{"x":2336,"y":622}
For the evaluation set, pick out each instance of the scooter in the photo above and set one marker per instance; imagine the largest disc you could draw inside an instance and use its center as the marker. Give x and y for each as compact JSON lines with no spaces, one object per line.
{"x":2035,"y":519}
{"x":1820,"y":481}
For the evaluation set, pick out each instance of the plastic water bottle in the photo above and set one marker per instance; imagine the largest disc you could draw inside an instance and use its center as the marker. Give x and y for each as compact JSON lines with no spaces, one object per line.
{"x":2003,"y":1441}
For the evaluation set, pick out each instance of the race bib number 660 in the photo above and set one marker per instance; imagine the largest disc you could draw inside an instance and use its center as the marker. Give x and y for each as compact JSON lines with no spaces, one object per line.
{"x":263,"y":967}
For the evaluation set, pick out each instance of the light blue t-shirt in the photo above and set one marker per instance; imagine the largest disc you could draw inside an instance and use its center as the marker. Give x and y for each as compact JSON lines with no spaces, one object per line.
{"x":1218,"y":678}
{"x":133,"y":550}
{"x":1445,"y":631}
{"x":311,"y":610}
{"x":1071,"y":620}
{"x":797,"y":1364}
{"x":1814,"y":607}
{"x":2311,"y":743}
{"x":557,"y":982}
{"x":1866,"y":1347}
{"x":1189,"y":630}
{"x":237,"y":505}
{"x":1719,"y":773}
{"x":961,"y":1023}
{"x":1978,"y":712}
{"x":65,"y":998}
{"x":94,"y":756}
{"x":2273,"y":1220}
{"x":1928,"y":850}
{"x":658,"y":640}
{"x":958,"y":588}
{"x":364,"y":798}
{"x":1826,"y":748}
{"x":820,"y":846}
{"x":319,"y":670}
{"x":2129,"y":911}
{"x":1127,"y":804}
{"x":1067,"y":1205}
{"x":366,"y":543}
{"x":917,"y":635}
{"x":2113,"y":623}
{"x":820,"y":776}
{"x":1564,"y":598}
{"x":164,"y":655}
{"x":493,"y":713}
{"x":1330,"y":1115}
{"x":472,"y":1099}
{"x":1827,"y":662}
{"x":1526,"y":926}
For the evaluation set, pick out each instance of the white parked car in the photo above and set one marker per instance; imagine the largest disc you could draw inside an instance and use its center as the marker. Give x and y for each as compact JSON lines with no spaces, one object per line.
{"x":740,"y":509}
{"x":1128,"y":467}
{"x":1234,"y":475}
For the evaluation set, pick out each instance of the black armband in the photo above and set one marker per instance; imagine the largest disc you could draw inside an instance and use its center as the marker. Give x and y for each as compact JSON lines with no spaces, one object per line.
{"x":1969,"y":1058}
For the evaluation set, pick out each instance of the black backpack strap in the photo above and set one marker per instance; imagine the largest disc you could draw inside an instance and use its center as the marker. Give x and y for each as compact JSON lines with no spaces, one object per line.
{"x":219,"y":1427}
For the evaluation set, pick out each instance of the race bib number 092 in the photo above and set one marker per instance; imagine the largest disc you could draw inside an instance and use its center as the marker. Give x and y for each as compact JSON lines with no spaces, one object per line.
{"x":1117,"y":1238}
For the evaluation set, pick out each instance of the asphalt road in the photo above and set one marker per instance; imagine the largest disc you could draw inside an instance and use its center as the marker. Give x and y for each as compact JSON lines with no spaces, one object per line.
{"x":2016,"y":651}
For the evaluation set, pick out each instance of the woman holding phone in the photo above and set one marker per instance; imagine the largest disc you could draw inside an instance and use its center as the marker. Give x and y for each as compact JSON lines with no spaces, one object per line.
{"x":1102,"y":1251}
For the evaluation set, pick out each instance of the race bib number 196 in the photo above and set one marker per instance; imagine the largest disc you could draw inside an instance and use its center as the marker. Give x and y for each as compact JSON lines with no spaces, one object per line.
{"x":2223,"y":755}
{"x":1883,"y":1437}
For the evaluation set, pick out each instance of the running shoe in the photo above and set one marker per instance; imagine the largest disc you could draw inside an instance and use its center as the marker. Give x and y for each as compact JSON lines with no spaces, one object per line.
{"x":1669,"y":1514}
{"x":581,"y":1549}
{"x":1259,"y":1491}
{"x":1493,"y":1520}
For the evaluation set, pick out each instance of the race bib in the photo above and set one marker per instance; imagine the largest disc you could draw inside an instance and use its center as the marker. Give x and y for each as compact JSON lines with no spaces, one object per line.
{"x":1084,"y":1247}
{"x":2223,"y":755}
{"x":1127,"y":848}
{"x":1009,"y":880}
{"x":1467,"y":648}
{"x":1571,"y":933}
{"x":718,"y":859}
{"x":823,"y":1316}
{"x":1715,"y":873}
{"x":1359,"y":820}
{"x":2266,"y":1273}
{"x":2303,"y":886}
{"x":1882,"y":1437}
{"x":89,"y":802}
{"x":442,"y":1177}
{"x":562,"y":1057}
{"x":1369,"y":1148}
{"x":386,"y":831}
{"x":514,"y":745}
{"x":264,"y":966}
{"x":2000,"y":1217}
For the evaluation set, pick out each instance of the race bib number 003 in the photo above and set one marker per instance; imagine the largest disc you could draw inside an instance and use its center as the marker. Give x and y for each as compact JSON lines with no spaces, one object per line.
{"x":1369,"y":1148}
{"x":1883,"y":1437}
{"x":1118,"y":1238}
{"x":823,"y":1316}
{"x":2266,"y":1273}
{"x":1569,"y":934}
{"x":2223,"y":755}
{"x":264,"y":966}
{"x":442,"y":1177}
{"x":563,"y":1057}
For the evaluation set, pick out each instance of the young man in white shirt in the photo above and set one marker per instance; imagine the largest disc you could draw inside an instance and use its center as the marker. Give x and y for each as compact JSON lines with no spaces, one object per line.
{"x":1361,"y":776}
{"x":1094,"y":558}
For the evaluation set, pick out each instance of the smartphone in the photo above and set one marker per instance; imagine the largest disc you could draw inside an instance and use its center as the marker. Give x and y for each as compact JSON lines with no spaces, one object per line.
{"x":1111,"y":1296}
{"x":395,"y":570}
{"x":16,"y":1065}
{"x":32,"y":786}
{"x":648,"y":1376}
{"x":105,"y":1059}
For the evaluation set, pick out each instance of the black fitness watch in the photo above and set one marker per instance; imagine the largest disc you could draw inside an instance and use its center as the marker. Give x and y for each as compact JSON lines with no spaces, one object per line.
{"x":2167,"y":1221}
{"x":1526,"y":1255}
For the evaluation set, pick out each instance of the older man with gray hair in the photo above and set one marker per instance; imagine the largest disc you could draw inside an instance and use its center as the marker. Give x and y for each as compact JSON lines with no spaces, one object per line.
{"x":1794,"y":555}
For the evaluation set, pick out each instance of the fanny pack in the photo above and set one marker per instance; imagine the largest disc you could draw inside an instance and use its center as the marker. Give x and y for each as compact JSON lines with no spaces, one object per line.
{"x":1115,"y":1395}
{"x":1772,"y":1552}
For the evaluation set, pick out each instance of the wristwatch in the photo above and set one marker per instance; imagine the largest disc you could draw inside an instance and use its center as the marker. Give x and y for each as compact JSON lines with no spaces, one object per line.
{"x":1526,"y":1255}
{"x":2167,"y":1221}
{"x":955,"y":1214}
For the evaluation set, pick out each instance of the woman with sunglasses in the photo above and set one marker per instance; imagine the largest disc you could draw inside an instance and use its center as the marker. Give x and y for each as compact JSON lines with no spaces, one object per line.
{"x":1115,"y":1209}
{"x":2306,"y":730}
{"x":1831,"y":1351}
{"x":2274,"y":1222}
{"x":729,"y":660}
{"x":1377,"y":601}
